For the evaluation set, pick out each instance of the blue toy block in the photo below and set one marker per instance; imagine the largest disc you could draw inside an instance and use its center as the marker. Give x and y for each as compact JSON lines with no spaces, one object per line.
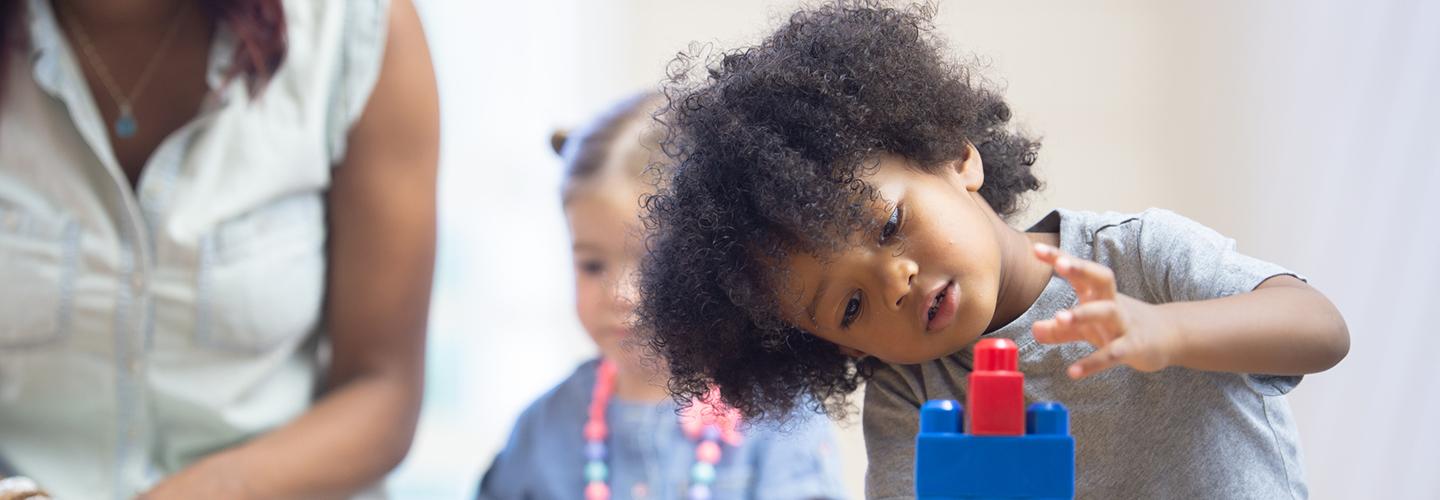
{"x":950,"y":464}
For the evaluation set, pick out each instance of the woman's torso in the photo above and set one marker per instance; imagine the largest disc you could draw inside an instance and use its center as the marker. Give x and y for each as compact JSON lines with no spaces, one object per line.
{"x":143,"y":327}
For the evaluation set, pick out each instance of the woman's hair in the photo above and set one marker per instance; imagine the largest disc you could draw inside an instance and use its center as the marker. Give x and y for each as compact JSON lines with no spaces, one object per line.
{"x":619,"y":141}
{"x":769,"y":145}
{"x":258,"y":25}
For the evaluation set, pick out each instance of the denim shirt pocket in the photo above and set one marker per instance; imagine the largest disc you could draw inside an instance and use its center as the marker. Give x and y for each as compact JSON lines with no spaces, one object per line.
{"x":261,"y":277}
{"x":38,"y":261}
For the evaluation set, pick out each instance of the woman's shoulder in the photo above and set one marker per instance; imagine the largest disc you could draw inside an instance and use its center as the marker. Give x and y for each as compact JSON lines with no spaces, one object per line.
{"x":335,"y":36}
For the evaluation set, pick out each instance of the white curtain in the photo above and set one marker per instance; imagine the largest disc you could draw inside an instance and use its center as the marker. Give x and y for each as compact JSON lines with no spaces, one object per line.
{"x":502,"y":330}
{"x":1349,"y":171}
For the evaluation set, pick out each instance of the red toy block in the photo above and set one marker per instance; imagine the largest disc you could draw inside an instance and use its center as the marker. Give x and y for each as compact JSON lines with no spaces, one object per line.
{"x":996,"y":399}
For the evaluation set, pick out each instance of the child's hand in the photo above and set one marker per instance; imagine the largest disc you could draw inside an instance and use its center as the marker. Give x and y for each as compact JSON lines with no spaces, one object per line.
{"x":1123,"y":330}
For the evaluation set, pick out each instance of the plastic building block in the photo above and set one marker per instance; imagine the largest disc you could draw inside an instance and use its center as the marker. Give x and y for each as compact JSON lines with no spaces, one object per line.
{"x":997,"y":391}
{"x":1009,"y":452}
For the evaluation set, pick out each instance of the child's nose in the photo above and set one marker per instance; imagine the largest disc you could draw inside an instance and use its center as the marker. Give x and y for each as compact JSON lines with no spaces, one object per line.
{"x":627,"y":291}
{"x":899,"y":279}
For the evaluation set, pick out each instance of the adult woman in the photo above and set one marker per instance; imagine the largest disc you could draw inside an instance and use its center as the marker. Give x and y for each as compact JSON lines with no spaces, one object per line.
{"x":173,"y":237}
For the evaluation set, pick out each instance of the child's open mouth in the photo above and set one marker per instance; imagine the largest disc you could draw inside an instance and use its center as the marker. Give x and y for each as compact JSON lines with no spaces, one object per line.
{"x":942,"y":307}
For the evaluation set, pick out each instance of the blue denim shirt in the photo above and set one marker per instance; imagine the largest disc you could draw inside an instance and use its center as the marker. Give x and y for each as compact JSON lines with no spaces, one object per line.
{"x":650,"y":457}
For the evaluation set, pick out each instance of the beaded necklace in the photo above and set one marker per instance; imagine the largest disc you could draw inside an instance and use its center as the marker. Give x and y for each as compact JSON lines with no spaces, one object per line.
{"x":705,"y":423}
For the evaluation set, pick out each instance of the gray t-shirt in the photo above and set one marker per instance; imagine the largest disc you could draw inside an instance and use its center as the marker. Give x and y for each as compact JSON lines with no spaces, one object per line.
{"x":1176,"y":433}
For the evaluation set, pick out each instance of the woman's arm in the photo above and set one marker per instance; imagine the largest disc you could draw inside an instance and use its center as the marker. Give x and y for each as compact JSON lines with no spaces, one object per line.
{"x":381,"y":257}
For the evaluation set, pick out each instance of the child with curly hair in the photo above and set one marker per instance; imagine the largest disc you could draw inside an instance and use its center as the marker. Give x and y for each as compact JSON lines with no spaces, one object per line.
{"x":609,"y":430}
{"x":837,"y":215}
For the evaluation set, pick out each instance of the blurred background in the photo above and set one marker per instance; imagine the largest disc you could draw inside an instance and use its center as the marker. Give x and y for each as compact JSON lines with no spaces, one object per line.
{"x":1307,"y":130}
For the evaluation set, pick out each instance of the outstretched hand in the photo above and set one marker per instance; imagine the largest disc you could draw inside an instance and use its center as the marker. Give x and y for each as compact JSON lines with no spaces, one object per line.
{"x":1122,"y":329}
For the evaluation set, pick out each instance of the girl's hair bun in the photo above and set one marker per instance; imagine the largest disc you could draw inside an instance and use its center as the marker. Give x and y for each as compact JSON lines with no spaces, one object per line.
{"x":557,"y":140}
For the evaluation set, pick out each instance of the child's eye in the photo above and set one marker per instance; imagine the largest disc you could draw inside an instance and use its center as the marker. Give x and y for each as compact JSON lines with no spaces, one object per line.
{"x":852,"y":310}
{"x":592,"y":267}
{"x":892,"y":225}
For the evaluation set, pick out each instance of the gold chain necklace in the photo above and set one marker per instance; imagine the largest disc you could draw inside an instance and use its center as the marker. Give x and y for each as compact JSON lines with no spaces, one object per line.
{"x":125,"y":124}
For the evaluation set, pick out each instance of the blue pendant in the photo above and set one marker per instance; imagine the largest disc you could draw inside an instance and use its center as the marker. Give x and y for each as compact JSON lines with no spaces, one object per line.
{"x":125,"y":126}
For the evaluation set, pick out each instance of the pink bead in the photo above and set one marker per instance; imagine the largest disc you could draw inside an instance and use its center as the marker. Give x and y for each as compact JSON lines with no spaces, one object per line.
{"x":692,"y":426}
{"x":602,"y":393}
{"x":595,"y":431}
{"x":708,"y":452}
{"x":732,"y":437}
{"x":605,"y":375}
{"x":597,"y":491}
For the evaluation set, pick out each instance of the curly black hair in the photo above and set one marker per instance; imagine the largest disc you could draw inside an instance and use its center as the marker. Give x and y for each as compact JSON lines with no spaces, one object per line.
{"x":768,"y":147}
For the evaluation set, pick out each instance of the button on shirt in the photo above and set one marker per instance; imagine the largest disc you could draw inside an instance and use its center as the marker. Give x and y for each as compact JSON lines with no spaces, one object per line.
{"x":143,"y":328}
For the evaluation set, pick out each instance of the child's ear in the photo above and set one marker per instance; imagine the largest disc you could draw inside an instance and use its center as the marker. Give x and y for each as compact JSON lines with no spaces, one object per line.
{"x":852,"y":352}
{"x":971,"y":168}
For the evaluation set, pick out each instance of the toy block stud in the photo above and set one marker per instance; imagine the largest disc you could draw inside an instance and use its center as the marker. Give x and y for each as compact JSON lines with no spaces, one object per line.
{"x":1048,"y":418}
{"x":941,"y":415}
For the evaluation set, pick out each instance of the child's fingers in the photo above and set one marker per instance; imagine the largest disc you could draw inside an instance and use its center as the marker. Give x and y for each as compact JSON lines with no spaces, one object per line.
{"x":1099,"y":360}
{"x":1091,"y":280}
{"x":1060,"y":329}
{"x":1103,"y":316}
{"x":1102,"y":359}
{"x":1046,"y":253}
{"x":1050,"y":331}
{"x":1097,"y":323}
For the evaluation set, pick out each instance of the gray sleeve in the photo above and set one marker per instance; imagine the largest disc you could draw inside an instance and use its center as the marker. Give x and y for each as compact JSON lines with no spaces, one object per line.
{"x":890,"y":421}
{"x":1182,"y":260}
{"x":800,"y":462}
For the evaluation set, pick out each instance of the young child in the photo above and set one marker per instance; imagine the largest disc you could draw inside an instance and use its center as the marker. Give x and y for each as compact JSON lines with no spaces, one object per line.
{"x":611,"y":430}
{"x":836,"y":214}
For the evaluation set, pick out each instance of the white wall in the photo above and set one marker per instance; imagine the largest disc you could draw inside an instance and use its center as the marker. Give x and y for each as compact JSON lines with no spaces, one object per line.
{"x":1348,"y":171}
{"x":1307,"y":130}
{"x":501,"y":330}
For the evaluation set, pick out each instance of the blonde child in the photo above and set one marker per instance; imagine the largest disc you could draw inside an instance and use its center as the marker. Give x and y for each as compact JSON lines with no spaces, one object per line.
{"x":611,"y":430}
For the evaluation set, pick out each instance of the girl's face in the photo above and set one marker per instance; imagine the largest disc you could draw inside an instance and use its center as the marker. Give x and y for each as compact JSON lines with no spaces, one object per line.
{"x":925,"y":286}
{"x":604,"y":229}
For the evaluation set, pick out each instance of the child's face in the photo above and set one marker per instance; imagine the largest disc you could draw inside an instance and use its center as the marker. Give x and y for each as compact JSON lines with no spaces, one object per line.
{"x":604,"y":229}
{"x":925,"y":287}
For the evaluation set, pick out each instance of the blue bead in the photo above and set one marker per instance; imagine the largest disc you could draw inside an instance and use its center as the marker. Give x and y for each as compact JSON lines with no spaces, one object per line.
{"x":702,"y":473}
{"x":700,"y":492}
{"x":125,"y":126}
{"x":595,"y":450}
{"x":596,"y":472}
